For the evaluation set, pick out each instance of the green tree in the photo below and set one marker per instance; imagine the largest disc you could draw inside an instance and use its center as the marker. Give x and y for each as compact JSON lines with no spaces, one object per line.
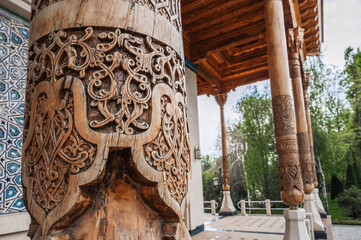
{"x":206,"y":162}
{"x":329,"y":116}
{"x":256,"y":125}
{"x":353,"y":86}
{"x":210,"y":191}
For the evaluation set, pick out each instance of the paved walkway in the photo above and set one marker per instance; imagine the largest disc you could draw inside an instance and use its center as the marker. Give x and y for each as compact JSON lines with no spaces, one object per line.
{"x":243,"y":228}
{"x":260,"y":227}
{"x":346,"y":232}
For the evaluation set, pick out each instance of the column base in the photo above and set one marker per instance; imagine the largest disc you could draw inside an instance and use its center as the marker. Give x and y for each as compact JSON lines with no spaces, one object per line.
{"x":318,"y":201}
{"x":323,"y":214}
{"x":295,"y":225}
{"x":227,"y":208}
{"x":310,"y":207}
{"x":321,"y":234}
{"x":227,"y":213}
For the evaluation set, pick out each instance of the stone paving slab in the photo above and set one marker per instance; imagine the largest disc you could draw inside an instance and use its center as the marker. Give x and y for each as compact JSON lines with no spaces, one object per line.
{"x":346,"y":232}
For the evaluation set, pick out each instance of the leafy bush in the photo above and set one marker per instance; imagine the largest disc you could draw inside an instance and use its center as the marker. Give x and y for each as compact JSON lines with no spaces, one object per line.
{"x":351,"y":199}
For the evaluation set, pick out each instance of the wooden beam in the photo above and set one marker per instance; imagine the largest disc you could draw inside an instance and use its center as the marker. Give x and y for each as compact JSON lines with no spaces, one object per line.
{"x":200,"y":49}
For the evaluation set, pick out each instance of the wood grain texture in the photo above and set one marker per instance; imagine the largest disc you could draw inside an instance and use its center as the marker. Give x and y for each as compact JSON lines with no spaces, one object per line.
{"x":106,"y":135}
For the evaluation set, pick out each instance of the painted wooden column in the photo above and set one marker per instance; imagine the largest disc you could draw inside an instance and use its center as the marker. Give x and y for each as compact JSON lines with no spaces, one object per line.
{"x":106,"y":149}
{"x":283,"y":113}
{"x":227,"y":207}
{"x":295,"y":41}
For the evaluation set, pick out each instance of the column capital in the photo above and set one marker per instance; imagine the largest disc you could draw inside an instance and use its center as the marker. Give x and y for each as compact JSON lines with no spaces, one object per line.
{"x":306,"y":81}
{"x":295,"y":39}
{"x":221,"y":99}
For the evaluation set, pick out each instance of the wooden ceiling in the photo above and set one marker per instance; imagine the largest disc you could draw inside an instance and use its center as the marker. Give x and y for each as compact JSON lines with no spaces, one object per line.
{"x":226,"y":39}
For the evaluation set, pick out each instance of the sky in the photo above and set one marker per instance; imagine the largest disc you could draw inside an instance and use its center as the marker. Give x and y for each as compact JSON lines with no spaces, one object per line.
{"x":342,"y":28}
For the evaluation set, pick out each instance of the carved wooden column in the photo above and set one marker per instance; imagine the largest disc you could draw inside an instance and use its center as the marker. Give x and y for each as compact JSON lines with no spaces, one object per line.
{"x":295,"y":41}
{"x":221,"y":99}
{"x":306,"y":83}
{"x":283,"y":114}
{"x":106,"y":149}
{"x":227,"y":204}
{"x":318,"y":201}
{"x":284,"y":122}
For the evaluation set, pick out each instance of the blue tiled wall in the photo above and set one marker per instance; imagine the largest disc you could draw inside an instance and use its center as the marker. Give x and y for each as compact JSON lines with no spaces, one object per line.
{"x":14,"y":34}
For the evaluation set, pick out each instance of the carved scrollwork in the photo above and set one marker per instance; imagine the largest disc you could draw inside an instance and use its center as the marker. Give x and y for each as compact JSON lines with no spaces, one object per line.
{"x":287,"y":150}
{"x":283,"y":115}
{"x":91,"y":90}
{"x":305,"y":161}
{"x":118,"y":68}
{"x":169,"y":151}
{"x":56,"y":150}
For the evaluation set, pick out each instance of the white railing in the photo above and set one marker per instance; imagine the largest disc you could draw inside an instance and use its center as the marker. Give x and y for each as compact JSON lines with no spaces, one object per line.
{"x":213,"y":206}
{"x":262,"y":205}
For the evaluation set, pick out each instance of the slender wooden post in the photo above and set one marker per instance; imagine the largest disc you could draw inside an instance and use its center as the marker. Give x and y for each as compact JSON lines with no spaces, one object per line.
{"x":306,"y":83}
{"x":295,"y":41}
{"x":283,"y":114}
{"x":227,"y":207}
{"x":221,"y":99}
{"x":310,"y":204}
{"x":106,"y":151}
{"x":319,"y":204}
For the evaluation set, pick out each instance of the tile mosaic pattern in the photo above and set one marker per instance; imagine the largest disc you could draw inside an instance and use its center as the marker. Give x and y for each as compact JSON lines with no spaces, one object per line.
{"x":13,"y":60}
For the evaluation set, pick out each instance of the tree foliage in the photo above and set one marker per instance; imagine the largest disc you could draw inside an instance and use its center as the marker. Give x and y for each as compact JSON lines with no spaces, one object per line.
{"x":256,"y":125}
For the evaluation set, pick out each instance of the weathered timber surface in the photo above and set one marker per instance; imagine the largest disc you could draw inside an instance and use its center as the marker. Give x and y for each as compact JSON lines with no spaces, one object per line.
{"x":106,"y":148}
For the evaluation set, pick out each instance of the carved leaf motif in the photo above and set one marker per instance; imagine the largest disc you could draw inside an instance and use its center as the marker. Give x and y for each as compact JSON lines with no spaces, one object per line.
{"x":169,"y":151}
{"x":56,"y":149}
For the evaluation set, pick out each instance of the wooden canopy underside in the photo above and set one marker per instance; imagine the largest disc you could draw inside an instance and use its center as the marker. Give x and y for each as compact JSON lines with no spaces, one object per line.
{"x":227,"y":40}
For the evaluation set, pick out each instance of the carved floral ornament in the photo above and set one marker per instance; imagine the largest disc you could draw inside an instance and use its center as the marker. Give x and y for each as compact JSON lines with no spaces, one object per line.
{"x":89,"y":91}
